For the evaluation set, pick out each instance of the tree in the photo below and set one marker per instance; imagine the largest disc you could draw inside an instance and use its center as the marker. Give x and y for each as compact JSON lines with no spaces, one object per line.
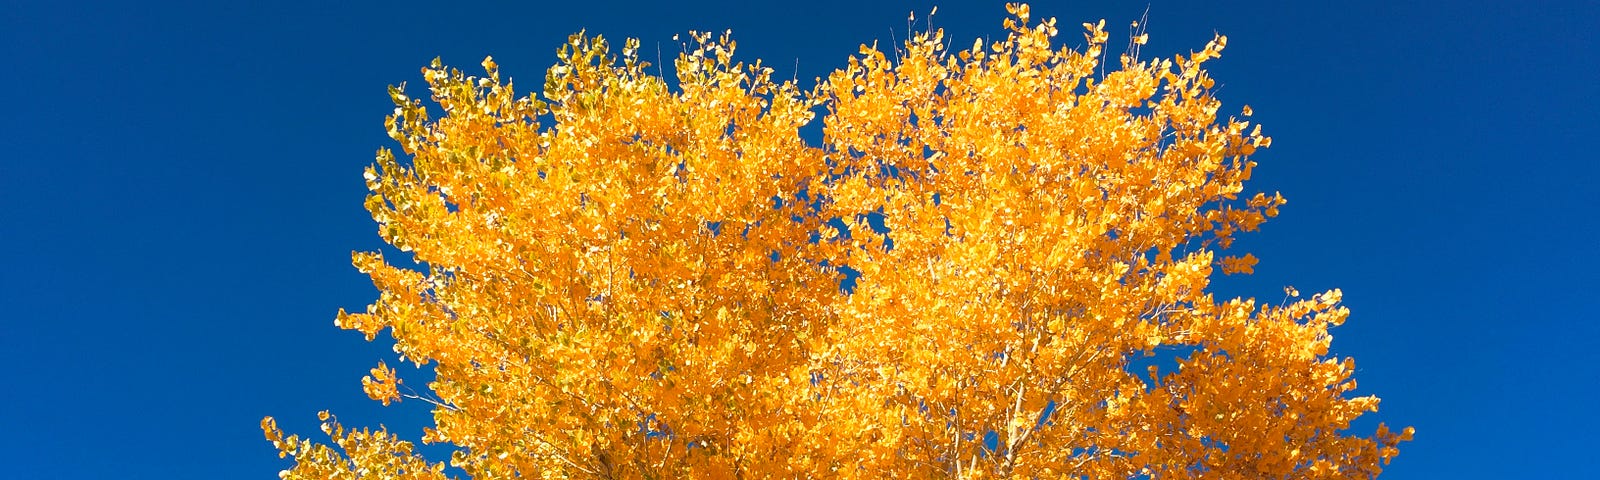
{"x":631,"y":278}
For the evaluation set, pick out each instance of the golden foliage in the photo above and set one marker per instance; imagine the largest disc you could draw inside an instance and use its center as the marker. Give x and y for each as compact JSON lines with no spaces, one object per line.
{"x":636,"y":278}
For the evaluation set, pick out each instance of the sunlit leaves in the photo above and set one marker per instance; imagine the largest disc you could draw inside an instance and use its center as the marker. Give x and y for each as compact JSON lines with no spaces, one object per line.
{"x":382,"y":385}
{"x":632,"y":276}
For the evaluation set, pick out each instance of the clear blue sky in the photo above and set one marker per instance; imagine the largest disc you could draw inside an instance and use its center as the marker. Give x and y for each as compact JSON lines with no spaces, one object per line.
{"x":180,"y":190}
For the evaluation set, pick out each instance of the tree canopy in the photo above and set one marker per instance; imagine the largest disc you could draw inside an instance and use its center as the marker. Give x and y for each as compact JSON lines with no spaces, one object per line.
{"x":631,"y":276}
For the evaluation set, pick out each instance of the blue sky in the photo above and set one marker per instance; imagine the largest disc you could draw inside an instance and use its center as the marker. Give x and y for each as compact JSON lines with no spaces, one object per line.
{"x":180,"y":190}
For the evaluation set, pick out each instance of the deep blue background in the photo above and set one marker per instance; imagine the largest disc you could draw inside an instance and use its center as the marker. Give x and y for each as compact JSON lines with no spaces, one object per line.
{"x":180,"y":190}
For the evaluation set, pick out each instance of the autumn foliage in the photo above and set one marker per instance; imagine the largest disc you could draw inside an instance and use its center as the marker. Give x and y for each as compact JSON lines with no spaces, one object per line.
{"x":627,"y":276}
